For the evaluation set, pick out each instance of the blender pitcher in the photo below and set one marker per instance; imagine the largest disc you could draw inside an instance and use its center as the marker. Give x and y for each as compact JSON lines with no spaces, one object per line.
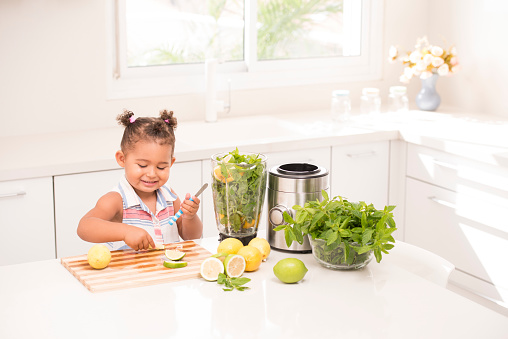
{"x":238,"y":188}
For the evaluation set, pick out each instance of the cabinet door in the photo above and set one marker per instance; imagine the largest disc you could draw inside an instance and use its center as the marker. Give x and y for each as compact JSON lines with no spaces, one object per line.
{"x":76,"y":194}
{"x":27,"y":224}
{"x":360,"y":172}
{"x":315,"y":156}
{"x":468,"y":230}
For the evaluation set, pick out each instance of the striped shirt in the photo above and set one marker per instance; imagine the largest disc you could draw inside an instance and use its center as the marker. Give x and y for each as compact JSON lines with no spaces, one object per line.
{"x":136,"y":213}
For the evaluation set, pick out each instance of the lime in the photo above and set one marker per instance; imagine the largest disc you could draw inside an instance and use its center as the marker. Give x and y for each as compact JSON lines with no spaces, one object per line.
{"x":262,"y":245}
{"x":174,"y":264}
{"x":234,"y":265}
{"x":174,"y":254}
{"x":290,"y":270}
{"x":99,"y":256}
{"x":210,"y":268}
{"x":229,"y":246}
{"x":252,"y":257}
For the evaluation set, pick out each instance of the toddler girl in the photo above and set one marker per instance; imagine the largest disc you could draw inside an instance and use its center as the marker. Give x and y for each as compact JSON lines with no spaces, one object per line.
{"x":137,"y":211}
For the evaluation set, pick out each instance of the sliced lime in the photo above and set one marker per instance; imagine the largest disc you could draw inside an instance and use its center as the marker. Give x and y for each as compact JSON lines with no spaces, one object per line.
{"x":174,"y":254}
{"x":210,"y":268}
{"x":174,"y":264}
{"x":234,"y":265}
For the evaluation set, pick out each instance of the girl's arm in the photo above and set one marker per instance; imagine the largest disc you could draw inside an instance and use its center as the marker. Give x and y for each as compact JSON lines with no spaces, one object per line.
{"x":189,"y":225}
{"x":103,"y":223}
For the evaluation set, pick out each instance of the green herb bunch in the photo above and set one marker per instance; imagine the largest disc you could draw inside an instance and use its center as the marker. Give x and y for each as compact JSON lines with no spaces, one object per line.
{"x":232,"y":283}
{"x":356,"y":227}
{"x":239,"y":193}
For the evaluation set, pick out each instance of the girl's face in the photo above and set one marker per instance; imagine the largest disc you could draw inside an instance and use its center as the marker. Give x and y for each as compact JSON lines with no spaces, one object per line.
{"x":146,"y":166}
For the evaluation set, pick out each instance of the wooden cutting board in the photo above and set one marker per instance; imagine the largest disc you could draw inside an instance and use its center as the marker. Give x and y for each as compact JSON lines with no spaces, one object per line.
{"x":129,"y":268}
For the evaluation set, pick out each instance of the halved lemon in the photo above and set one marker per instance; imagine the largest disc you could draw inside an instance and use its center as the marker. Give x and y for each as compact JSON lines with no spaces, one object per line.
{"x":174,"y":255}
{"x":234,"y":265}
{"x":174,"y":264}
{"x":210,"y":268}
{"x":217,"y":173}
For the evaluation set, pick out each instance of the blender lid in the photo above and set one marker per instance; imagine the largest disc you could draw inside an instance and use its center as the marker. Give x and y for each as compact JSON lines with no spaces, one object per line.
{"x":298,"y":171}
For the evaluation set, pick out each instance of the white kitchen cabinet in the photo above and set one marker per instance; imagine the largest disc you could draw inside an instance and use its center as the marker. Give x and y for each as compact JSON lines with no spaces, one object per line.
{"x":76,"y":194}
{"x":26,"y":221}
{"x":456,"y":208}
{"x":360,"y":172}
{"x":316,"y":156}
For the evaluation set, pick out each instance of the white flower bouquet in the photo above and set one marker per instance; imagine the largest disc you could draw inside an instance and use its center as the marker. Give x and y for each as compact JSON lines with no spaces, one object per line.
{"x":425,"y":60}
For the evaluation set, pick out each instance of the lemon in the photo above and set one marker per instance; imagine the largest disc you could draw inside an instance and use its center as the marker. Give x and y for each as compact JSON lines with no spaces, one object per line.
{"x":99,"y":256}
{"x":174,"y":264}
{"x":290,"y":270}
{"x":252,"y":257}
{"x":249,"y":224}
{"x":174,"y":255}
{"x":210,"y":268}
{"x":262,"y":245}
{"x":217,"y":173}
{"x":229,"y":246}
{"x":234,"y":265}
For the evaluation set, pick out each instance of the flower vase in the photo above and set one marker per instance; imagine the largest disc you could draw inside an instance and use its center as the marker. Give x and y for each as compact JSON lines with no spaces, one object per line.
{"x":428,"y":99}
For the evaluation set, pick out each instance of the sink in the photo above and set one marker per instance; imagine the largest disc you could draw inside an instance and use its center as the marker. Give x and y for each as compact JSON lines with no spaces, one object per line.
{"x":236,"y":131}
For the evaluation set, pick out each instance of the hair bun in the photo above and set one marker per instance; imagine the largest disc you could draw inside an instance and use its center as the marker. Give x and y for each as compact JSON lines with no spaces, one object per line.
{"x":168,"y":118}
{"x":124,"y":118}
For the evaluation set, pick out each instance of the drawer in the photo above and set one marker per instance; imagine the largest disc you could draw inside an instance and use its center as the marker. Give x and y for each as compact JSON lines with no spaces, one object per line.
{"x":469,"y":231}
{"x":452,"y":172}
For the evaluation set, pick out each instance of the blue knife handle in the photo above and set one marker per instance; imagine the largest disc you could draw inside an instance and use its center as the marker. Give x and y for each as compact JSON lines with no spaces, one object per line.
{"x":177,"y":215}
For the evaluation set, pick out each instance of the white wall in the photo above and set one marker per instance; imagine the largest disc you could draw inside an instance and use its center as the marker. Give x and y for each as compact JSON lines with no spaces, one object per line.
{"x":53,"y":69}
{"x":479,"y":29}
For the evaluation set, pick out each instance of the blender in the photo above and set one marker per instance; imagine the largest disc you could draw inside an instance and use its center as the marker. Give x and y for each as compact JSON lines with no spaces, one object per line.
{"x":238,"y":189}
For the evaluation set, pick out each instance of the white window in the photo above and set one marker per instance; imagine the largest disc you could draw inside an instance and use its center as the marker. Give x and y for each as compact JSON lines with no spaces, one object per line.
{"x":159,"y":47}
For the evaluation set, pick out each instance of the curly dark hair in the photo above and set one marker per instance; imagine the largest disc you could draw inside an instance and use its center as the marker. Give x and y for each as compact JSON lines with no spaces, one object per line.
{"x":160,"y":130}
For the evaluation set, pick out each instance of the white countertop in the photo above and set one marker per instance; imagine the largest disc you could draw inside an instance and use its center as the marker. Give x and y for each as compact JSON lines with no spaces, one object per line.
{"x":479,"y":137}
{"x":43,"y":300}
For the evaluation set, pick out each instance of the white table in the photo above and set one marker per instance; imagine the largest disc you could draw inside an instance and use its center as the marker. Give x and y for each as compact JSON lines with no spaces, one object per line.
{"x":43,"y":300}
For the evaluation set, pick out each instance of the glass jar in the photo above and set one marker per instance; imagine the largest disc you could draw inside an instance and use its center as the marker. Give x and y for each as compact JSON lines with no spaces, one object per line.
{"x":341,"y":105}
{"x":370,"y":101}
{"x":398,"y":101}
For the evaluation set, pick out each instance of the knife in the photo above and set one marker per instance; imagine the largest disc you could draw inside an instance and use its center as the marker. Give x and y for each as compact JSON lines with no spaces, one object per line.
{"x":180,"y":212}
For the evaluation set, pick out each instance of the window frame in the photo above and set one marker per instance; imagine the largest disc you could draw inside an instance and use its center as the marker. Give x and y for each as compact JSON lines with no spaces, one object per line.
{"x":249,"y":73}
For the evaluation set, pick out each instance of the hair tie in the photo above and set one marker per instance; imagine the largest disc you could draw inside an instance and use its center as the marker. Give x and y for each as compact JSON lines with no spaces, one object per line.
{"x":132,"y":119}
{"x":167,"y":121}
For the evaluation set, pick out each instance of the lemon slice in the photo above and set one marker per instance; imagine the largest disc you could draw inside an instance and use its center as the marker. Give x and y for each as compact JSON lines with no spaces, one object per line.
{"x":234,"y":265}
{"x":174,"y":264}
{"x":174,"y":255}
{"x":210,"y":268}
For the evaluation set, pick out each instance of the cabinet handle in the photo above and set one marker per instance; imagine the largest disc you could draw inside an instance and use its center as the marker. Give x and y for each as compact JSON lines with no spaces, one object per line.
{"x":445,"y":164}
{"x":443,"y":202}
{"x":361,"y":155}
{"x":10,"y":195}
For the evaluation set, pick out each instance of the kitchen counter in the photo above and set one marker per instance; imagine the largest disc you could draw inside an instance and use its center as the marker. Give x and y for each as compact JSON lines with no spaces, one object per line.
{"x":479,"y":137}
{"x":43,"y":300}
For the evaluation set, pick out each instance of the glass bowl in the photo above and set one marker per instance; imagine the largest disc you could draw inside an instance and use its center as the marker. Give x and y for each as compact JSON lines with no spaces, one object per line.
{"x":333,"y":256}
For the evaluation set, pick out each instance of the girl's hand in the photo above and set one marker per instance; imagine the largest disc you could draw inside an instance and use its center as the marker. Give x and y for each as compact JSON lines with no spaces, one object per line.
{"x":189,"y":207}
{"x":137,"y":238}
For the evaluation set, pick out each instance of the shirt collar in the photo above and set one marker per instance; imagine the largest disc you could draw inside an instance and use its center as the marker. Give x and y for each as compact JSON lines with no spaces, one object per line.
{"x":131,"y":199}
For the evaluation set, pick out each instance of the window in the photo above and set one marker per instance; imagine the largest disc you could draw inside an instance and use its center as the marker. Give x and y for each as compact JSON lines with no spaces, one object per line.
{"x":160,"y":46}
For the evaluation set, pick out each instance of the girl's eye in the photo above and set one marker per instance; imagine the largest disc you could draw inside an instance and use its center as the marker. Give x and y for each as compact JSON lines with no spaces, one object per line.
{"x":142,"y":166}
{"x":161,"y":168}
